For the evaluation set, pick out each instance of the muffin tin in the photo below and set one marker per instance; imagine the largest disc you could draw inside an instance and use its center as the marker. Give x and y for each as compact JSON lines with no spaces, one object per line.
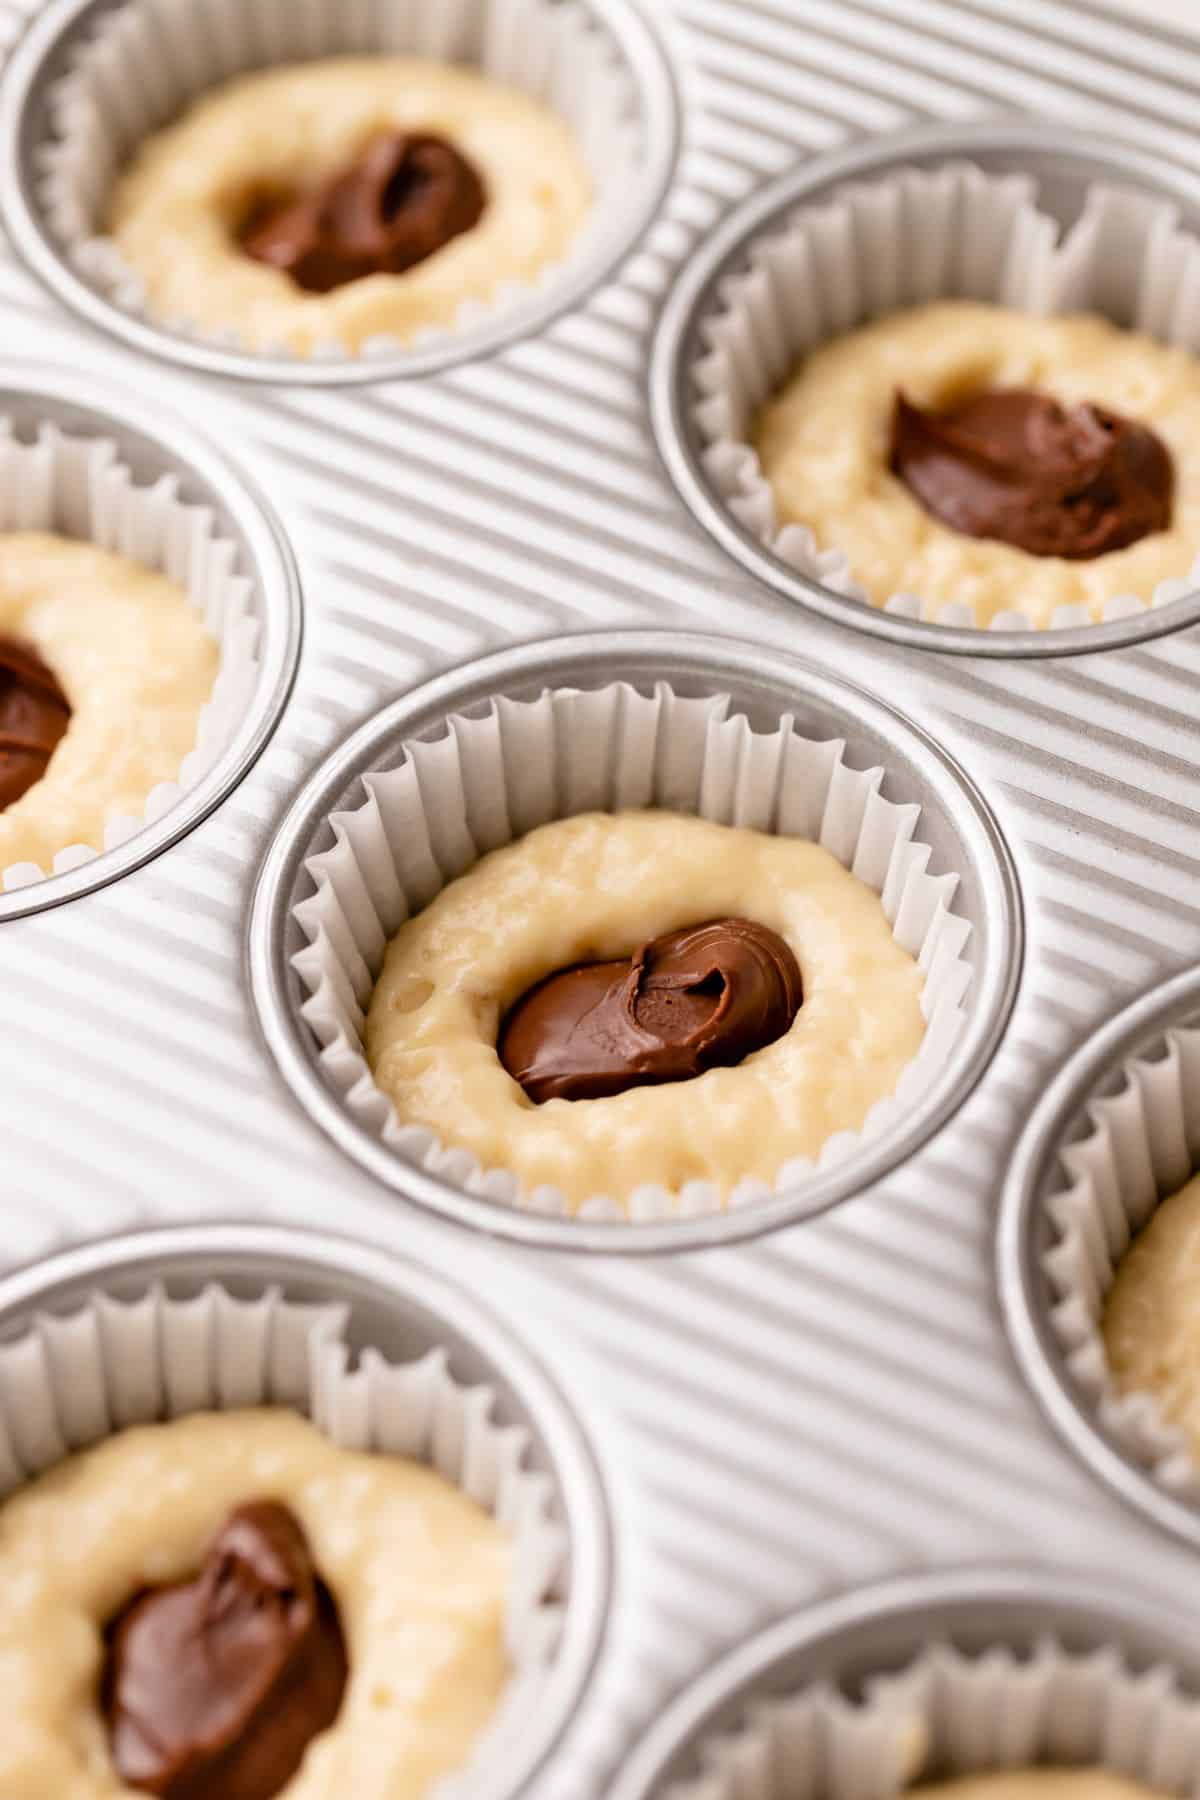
{"x":777,"y":1421}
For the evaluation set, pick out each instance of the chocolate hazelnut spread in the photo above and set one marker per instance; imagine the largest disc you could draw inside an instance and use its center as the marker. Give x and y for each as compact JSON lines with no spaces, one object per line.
{"x":214,"y":1688}
{"x":405,"y":197}
{"x":693,"y":1000}
{"x":34,"y":714}
{"x":1012,"y":464}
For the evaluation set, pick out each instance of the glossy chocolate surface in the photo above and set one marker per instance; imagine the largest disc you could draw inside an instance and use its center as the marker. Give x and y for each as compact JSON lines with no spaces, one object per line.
{"x":693,"y":1000}
{"x":1011,"y":464}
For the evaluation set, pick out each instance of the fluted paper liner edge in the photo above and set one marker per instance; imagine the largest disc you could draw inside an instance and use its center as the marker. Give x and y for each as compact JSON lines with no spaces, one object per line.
{"x":80,"y":488}
{"x":902,"y":240}
{"x":948,"y":1714}
{"x":487,"y":780}
{"x":73,"y":1380}
{"x":1142,"y":1146}
{"x":148,"y":60}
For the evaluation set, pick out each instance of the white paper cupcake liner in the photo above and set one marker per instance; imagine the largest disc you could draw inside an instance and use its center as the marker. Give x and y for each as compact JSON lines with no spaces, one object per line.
{"x":79,"y":487}
{"x":72,"y":1381}
{"x":1143,"y":1146}
{"x":900,"y":241}
{"x":492,"y":778}
{"x":150,"y":59}
{"x":948,"y":1715}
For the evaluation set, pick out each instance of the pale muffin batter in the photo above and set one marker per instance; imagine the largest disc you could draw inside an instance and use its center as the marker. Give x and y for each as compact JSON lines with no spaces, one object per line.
{"x":1152,"y":1317}
{"x":1036,"y":1784}
{"x":137,"y":665}
{"x":419,"y":1572}
{"x":823,"y":444}
{"x":177,"y":209}
{"x":593,"y":887}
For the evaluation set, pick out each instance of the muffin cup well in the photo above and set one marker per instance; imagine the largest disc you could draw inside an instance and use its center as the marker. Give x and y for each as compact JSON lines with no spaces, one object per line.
{"x":1014,"y":213}
{"x":493,"y":778}
{"x":383,"y":1357}
{"x":600,"y":724}
{"x":1116,"y":1133}
{"x":77,"y":458}
{"x":92,"y":79}
{"x":934,"y":1677}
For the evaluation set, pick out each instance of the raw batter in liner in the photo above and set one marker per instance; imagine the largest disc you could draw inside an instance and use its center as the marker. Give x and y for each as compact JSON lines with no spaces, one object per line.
{"x":1152,"y":1316}
{"x":137,"y":665}
{"x":177,"y":209}
{"x":420,"y":1574}
{"x":1035,"y":1784}
{"x":593,"y":887}
{"x":823,"y":444}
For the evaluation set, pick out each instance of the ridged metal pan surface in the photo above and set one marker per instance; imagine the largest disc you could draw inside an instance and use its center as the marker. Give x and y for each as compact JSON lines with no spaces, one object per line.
{"x":777,"y":1421}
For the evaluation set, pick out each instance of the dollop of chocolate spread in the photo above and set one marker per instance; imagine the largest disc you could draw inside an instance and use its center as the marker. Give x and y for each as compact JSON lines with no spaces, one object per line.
{"x":213,"y":1688}
{"x":406,"y":196}
{"x":699,"y":999}
{"x":1011,"y":464}
{"x":33,"y":717}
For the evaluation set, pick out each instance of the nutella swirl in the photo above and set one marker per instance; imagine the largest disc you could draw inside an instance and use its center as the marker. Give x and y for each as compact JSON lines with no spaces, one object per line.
{"x":214,"y":1688}
{"x":693,"y":1000}
{"x":406,"y":196}
{"x":34,"y":714}
{"x":1012,"y":464}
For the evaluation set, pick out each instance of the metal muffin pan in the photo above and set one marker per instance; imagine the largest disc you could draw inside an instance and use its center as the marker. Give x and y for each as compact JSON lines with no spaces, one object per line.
{"x":1065,"y":163}
{"x":1026,"y":1232}
{"x":45,"y":54}
{"x":832,"y":1403}
{"x":401,"y":1309}
{"x":954,"y":820}
{"x":154,"y":442}
{"x":880,"y":1629}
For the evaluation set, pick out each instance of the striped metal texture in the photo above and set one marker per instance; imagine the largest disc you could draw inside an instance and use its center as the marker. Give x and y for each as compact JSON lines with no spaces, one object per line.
{"x":833,"y":1404}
